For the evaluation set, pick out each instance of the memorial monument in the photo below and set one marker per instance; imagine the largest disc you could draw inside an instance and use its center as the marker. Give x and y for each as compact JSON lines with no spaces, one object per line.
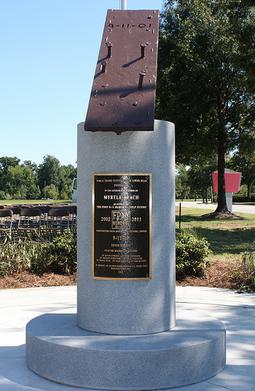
{"x":125,"y":335}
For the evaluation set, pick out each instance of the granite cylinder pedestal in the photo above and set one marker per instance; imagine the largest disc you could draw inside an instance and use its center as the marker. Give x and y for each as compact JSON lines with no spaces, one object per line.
{"x":129,"y":307}
{"x":125,"y":336}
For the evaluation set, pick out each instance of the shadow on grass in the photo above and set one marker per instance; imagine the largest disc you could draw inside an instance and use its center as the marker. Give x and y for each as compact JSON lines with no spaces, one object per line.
{"x":213,"y":216}
{"x":233,"y":241}
{"x":221,"y":236}
{"x":188,"y":218}
{"x":206,"y":218}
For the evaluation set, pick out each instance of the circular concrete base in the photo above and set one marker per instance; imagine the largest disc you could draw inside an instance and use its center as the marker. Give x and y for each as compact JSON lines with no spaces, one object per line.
{"x":191,"y":352}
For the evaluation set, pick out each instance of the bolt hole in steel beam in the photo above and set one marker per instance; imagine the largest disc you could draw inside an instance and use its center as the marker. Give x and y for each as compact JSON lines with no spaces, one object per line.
{"x":129,"y":48}
{"x":103,"y":67}
{"x":109,"y":47}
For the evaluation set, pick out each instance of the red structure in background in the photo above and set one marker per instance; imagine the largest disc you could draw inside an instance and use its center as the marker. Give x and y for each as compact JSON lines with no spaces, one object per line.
{"x":232,"y":181}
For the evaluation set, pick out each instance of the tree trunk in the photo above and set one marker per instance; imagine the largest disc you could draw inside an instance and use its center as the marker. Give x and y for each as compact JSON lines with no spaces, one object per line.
{"x":249,"y":192}
{"x":222,"y":204}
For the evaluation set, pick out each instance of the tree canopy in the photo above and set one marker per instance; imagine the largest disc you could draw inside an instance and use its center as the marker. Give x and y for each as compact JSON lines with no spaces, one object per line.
{"x":28,"y":181}
{"x":206,"y":78}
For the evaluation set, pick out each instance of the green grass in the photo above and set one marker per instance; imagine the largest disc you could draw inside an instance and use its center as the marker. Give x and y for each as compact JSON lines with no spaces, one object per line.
{"x":227,"y":238}
{"x":29,"y":202}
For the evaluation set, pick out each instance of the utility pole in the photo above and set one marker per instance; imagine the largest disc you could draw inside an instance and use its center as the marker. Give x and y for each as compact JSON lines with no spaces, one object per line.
{"x":123,"y":4}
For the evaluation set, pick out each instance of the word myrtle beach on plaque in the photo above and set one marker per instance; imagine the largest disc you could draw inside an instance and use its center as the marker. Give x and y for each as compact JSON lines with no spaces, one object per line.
{"x":122,"y":226}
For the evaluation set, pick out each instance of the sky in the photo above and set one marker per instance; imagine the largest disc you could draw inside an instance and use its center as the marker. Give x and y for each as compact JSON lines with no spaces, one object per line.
{"x":49,"y":50}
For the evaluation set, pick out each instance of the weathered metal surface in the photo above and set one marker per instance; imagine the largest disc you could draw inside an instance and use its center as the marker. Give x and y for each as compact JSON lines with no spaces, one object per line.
{"x":124,"y":88}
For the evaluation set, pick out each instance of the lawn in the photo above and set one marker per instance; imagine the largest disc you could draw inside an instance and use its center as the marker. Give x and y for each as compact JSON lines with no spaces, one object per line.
{"x":227,"y":238}
{"x":31,"y":202}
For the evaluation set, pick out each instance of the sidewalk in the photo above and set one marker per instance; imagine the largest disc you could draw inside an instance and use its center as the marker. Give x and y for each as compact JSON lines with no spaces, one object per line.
{"x":236,"y":311}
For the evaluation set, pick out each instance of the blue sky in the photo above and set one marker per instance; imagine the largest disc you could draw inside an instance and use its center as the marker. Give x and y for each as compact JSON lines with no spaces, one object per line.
{"x":49,"y":49}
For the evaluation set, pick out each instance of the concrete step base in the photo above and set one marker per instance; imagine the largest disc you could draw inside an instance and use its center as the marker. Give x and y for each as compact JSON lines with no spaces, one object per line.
{"x":62,"y":352}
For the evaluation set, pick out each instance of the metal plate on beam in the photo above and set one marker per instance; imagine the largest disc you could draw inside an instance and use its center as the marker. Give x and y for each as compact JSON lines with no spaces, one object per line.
{"x":124,"y":88}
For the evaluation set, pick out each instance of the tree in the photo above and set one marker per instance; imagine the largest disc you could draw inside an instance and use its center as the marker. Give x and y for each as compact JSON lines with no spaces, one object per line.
{"x":246,"y":165}
{"x":33,"y":190}
{"x":22,"y":180}
{"x":67,"y":174}
{"x":22,"y":183}
{"x":181,"y":182}
{"x":200,"y":178}
{"x":31,"y":165}
{"x":49,"y":172}
{"x":244,"y":160}
{"x":51,"y":192}
{"x":5,"y":163}
{"x":206,"y":83}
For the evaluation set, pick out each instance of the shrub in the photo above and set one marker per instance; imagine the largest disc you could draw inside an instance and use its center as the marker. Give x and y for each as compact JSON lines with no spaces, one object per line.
{"x":246,"y":272}
{"x":243,"y":198}
{"x":191,"y":254}
{"x":58,"y":256}
{"x":2,"y":195}
{"x":50,"y":192}
{"x":15,"y":257}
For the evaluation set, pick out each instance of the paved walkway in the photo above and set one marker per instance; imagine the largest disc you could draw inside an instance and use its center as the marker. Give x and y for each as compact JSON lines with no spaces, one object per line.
{"x":236,"y":208}
{"x":236,"y":311}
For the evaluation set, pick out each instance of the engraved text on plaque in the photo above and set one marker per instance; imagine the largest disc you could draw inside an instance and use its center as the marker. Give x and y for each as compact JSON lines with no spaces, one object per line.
{"x":121,"y":245}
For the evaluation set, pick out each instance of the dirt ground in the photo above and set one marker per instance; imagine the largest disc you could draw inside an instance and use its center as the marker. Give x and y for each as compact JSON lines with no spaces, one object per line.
{"x":218,"y":274}
{"x":28,"y":280}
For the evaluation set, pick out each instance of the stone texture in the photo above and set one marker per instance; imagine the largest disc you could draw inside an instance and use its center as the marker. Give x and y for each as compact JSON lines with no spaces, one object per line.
{"x":18,"y":306}
{"x":127,"y":339}
{"x":129,"y":307}
{"x":191,"y":352}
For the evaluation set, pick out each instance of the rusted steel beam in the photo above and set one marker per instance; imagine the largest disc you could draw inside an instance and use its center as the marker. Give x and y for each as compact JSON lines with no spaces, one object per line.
{"x":124,"y":88}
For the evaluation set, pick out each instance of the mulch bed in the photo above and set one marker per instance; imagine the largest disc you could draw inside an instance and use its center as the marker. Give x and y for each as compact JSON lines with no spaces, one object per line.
{"x":220,"y":274}
{"x":28,"y":280}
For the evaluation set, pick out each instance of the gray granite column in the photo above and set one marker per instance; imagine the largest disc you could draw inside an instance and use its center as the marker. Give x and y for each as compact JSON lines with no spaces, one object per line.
{"x":129,"y":307}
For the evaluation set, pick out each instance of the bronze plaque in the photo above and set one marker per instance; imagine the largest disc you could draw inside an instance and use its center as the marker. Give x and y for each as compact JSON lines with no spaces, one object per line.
{"x":121,"y":244}
{"x":124,"y":87}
